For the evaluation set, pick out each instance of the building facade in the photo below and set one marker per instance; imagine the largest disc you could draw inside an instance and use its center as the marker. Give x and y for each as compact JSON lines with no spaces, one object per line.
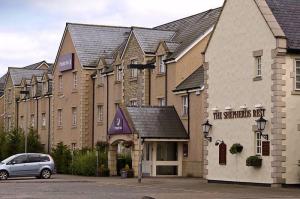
{"x":251,"y":65}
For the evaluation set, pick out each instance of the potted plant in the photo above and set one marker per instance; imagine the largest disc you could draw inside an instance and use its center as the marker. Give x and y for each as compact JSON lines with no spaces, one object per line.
{"x":254,"y":161}
{"x":236,"y":148}
{"x":104,"y":171}
{"x":126,"y":172}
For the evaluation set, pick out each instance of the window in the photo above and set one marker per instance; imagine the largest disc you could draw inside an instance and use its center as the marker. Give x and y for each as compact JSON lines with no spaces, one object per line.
{"x":60,"y":83}
{"x":162,"y":65}
{"x":134,"y":71}
{"x":297,"y":73}
{"x":9,"y":96}
{"x":185,"y":105}
{"x":33,"y":90}
{"x":100,"y":113}
{"x":32,"y":120}
{"x":75,"y":80}
{"x":74,"y":116}
{"x":258,"y":66}
{"x":133,"y":103}
{"x":43,"y":119}
{"x":258,"y":148}
{"x":73,"y":146}
{"x":45,"y":87}
{"x":34,"y":158}
{"x":22,"y":122}
{"x":118,"y":73}
{"x":161,"y":102}
{"x":20,"y":159}
{"x":59,"y":117}
{"x":166,"y":151}
{"x":185,"y":149}
{"x":117,"y":105}
{"x":9,"y":123}
{"x":100,"y":77}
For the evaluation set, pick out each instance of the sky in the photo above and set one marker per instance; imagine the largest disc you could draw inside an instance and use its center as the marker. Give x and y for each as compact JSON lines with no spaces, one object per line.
{"x":31,"y":30}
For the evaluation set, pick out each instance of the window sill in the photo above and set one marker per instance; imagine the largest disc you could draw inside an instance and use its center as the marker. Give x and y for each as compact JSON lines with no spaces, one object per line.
{"x":296,"y":92}
{"x":184,"y":117}
{"x":133,"y":79}
{"x":257,"y":78}
{"x":74,"y":127}
{"x":117,"y":82}
{"x":43,"y":127}
{"x":75,"y":90}
{"x":100,"y":85}
{"x":160,"y":74}
{"x":99,"y":123}
{"x":59,"y":127}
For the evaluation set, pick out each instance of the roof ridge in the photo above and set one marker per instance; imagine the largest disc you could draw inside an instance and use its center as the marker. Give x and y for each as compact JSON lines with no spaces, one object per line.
{"x":204,"y":12}
{"x":97,"y":25}
{"x":145,"y":28}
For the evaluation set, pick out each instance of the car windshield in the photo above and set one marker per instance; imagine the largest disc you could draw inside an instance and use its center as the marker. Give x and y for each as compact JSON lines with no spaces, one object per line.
{"x":7,"y":159}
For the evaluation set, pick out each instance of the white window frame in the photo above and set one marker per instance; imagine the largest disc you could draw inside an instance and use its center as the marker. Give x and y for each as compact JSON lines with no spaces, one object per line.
{"x":100,"y":113}
{"x":43,"y":119}
{"x":161,"y":64}
{"x":134,"y":71}
{"x":297,"y":75}
{"x":74,"y":116}
{"x":75,"y":80}
{"x":118,"y":73}
{"x":258,"y":143}
{"x":185,"y":105}
{"x":60,"y":82}
{"x":133,"y":103}
{"x":32,"y":120}
{"x":161,"y":101}
{"x":45,"y":87}
{"x":258,"y":66}
{"x":59,"y":117}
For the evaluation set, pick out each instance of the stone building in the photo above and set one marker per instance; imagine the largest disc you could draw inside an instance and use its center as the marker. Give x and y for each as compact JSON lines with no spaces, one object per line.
{"x":252,"y":71}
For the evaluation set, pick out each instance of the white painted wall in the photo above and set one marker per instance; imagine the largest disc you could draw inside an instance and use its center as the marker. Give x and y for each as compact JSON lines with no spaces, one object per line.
{"x":240,"y":31}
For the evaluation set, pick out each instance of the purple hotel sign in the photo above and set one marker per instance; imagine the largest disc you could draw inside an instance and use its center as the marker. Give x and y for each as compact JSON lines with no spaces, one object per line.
{"x":119,"y":124}
{"x":66,"y":62}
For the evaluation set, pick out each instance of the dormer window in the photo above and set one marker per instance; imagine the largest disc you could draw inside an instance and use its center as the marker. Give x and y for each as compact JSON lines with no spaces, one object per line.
{"x":45,"y":87}
{"x":33,"y":90}
{"x":100,"y":77}
{"x":134,"y":71}
{"x":118,"y":73}
{"x":161,"y":64}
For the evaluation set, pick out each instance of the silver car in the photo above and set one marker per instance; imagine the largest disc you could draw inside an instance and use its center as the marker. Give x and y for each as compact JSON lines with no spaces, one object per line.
{"x":27,"y":164}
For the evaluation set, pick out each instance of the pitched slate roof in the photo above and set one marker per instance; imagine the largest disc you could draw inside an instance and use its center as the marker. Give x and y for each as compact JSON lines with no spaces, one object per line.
{"x":18,"y":73}
{"x":194,"y":81}
{"x":190,"y":28}
{"x":154,"y":122}
{"x":94,"y":41}
{"x":36,"y":65}
{"x":149,"y":38}
{"x":287,"y":14}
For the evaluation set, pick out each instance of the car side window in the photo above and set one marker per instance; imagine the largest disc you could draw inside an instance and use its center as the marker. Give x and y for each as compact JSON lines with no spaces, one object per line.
{"x":20,"y":159}
{"x":34,"y":158}
{"x":45,"y":159}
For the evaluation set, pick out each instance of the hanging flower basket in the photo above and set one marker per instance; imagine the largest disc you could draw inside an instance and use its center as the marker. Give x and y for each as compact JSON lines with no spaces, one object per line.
{"x":128,"y":144}
{"x":254,"y":161}
{"x":236,"y":148}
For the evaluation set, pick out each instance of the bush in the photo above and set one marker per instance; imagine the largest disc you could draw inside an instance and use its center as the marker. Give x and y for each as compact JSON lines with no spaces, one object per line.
{"x":236,"y":148}
{"x":103,"y":171}
{"x":84,"y":164}
{"x":2,"y":145}
{"x":62,"y":157}
{"x":14,"y":142}
{"x":254,"y":161}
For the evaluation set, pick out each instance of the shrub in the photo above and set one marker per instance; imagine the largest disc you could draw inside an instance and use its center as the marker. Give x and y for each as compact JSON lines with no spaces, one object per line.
{"x":103,"y":171}
{"x":2,"y":145}
{"x":62,"y":157}
{"x":236,"y":148}
{"x":101,"y":146}
{"x":14,"y":142}
{"x":84,"y":164}
{"x":254,"y":161}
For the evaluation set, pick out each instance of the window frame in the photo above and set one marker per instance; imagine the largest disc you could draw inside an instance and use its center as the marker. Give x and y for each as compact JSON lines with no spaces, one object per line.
{"x":74,"y":116}
{"x":134,"y":71}
{"x":60,"y":83}
{"x":118,"y":73}
{"x":32,"y":120}
{"x":185,"y":105}
{"x":297,"y":75}
{"x":44,"y":120}
{"x":258,"y":66}
{"x":75,"y":80}
{"x":258,"y":143}
{"x":161,"y":64}
{"x":59,"y":117}
{"x":161,"y":101}
{"x":100,"y":113}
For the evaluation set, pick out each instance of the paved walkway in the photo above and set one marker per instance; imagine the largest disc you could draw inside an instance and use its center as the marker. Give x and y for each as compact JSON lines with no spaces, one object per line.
{"x":65,"y":186}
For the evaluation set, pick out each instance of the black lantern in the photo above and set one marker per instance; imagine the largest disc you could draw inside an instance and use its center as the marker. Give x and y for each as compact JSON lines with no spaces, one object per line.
{"x":206,"y":128}
{"x":261,"y":125}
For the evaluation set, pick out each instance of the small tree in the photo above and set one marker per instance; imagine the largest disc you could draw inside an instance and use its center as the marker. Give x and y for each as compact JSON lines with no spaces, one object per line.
{"x":2,"y":145}
{"x":33,"y":142}
{"x":14,"y":142}
{"x":62,"y":157}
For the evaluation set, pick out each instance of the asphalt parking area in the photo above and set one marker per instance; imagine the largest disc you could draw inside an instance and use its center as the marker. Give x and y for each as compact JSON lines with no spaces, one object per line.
{"x":65,"y":186}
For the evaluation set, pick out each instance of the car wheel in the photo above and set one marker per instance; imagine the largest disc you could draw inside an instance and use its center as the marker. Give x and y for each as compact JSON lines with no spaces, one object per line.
{"x":3,"y":175}
{"x":45,"y":174}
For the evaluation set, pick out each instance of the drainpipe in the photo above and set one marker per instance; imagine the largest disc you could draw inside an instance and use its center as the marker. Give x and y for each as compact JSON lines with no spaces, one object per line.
{"x":17,"y":126}
{"x":166,"y":85}
{"x":107,"y":98}
{"x":93,"y":117}
{"x":37,"y":114}
{"x":188,"y":96}
{"x":49,"y":121}
{"x":149,"y":70}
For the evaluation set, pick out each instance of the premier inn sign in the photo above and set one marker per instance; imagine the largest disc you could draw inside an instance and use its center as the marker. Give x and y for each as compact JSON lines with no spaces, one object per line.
{"x":239,"y":114}
{"x":66,"y":62}
{"x":119,"y":124}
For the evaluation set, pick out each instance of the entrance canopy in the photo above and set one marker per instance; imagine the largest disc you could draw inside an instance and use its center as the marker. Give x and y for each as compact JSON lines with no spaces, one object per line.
{"x":151,"y":122}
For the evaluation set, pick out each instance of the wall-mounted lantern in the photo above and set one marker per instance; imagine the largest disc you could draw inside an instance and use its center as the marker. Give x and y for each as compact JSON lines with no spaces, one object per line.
{"x":206,"y":128}
{"x":261,"y":125}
